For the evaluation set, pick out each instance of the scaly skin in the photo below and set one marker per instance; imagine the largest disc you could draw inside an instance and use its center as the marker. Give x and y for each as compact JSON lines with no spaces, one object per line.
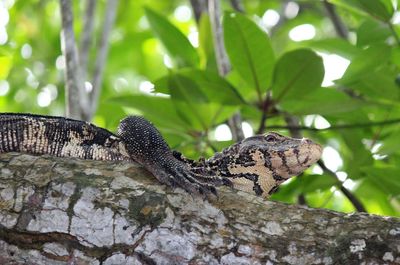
{"x":258,"y":164}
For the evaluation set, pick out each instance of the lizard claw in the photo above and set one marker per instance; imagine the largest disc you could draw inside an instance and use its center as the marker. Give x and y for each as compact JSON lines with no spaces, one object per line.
{"x":179,"y":175}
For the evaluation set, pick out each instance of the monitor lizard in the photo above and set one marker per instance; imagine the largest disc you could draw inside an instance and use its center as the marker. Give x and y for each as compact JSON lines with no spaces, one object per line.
{"x":257,"y":164}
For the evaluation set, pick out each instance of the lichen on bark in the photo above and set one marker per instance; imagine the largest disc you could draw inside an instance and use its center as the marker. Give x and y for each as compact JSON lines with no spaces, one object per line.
{"x":63,"y":211}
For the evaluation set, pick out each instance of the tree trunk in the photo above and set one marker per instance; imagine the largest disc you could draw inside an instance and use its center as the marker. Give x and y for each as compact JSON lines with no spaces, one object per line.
{"x":70,"y":211}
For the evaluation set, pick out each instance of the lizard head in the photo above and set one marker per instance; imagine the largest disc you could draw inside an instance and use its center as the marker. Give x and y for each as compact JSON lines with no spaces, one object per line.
{"x":260,"y":163}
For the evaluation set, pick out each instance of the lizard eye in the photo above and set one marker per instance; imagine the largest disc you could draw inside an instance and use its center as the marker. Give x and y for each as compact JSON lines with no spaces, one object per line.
{"x":270,"y":138}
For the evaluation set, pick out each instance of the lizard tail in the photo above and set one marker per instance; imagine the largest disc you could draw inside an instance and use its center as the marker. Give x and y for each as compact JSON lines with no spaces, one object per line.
{"x":57,"y":136}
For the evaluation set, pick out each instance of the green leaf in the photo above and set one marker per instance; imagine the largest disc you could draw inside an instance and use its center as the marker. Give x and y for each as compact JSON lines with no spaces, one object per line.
{"x":244,"y":89}
{"x":249,"y":51}
{"x":391,"y":144}
{"x":379,"y":9}
{"x":177,"y":45}
{"x":201,"y":108}
{"x":351,"y":5}
{"x":310,"y":183}
{"x":337,"y":46}
{"x":206,"y":44}
{"x":216,"y":88}
{"x":5,"y":66}
{"x":358,"y":155}
{"x":186,"y":97}
{"x":158,"y":109}
{"x":386,"y":178}
{"x":323,"y":101}
{"x":298,"y":72}
{"x":375,"y":199}
{"x":366,"y":62}
{"x":379,"y":84}
{"x":185,"y":89}
{"x":212,"y":87}
{"x":372,"y":31}
{"x":202,"y":117}
{"x":396,"y":56}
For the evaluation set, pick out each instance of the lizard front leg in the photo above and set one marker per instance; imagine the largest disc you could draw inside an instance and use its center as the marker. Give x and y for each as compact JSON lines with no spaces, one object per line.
{"x":145,"y":145}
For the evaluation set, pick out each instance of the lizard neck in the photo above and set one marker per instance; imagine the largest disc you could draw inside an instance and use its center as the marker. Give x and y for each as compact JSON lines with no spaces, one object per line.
{"x":217,"y":165}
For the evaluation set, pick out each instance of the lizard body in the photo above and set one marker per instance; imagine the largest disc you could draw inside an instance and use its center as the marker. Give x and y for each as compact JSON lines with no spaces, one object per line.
{"x":258,"y":164}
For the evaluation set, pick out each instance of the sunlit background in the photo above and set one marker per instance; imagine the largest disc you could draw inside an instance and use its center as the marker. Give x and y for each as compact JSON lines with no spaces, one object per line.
{"x":335,"y":65}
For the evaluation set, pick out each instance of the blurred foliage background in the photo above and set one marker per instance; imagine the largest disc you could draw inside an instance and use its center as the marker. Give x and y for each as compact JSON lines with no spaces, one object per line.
{"x":327,"y":70}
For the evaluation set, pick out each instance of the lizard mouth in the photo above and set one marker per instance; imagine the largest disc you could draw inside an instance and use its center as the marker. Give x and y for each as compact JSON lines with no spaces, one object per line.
{"x":311,"y":154}
{"x":293,"y":161}
{"x":306,"y":155}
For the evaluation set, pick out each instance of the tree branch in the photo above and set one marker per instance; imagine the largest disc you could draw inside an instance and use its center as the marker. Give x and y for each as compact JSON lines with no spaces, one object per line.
{"x":235,"y":122}
{"x":353,"y":199}
{"x":198,"y":7}
{"x":76,"y":98}
{"x":86,"y":38}
{"x":340,"y":27}
{"x":336,"y":127}
{"x":223,"y":63}
{"x":237,"y":5}
{"x":101,"y":57}
{"x":58,"y":210}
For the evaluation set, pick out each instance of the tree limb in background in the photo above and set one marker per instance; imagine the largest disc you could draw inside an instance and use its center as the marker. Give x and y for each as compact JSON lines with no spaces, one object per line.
{"x":336,"y":127}
{"x":76,"y":98}
{"x":86,"y":38}
{"x":340,"y":27}
{"x":235,"y":123}
{"x":353,"y":199}
{"x":101,"y":56}
{"x":223,"y":63}
{"x":199,"y":7}
{"x":237,"y":5}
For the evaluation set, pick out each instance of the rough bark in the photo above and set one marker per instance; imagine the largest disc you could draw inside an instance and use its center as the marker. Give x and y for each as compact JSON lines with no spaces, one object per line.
{"x":70,"y":211}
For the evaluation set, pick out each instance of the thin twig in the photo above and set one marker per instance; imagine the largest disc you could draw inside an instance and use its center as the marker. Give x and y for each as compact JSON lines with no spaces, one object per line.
{"x":235,"y":122}
{"x":336,"y":127}
{"x":262,"y":126}
{"x":265,"y":109}
{"x":101,"y":57}
{"x":340,"y":27}
{"x":301,"y":199}
{"x":86,"y":38}
{"x":353,"y":199}
{"x":75,"y":94}
{"x":293,"y":122}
